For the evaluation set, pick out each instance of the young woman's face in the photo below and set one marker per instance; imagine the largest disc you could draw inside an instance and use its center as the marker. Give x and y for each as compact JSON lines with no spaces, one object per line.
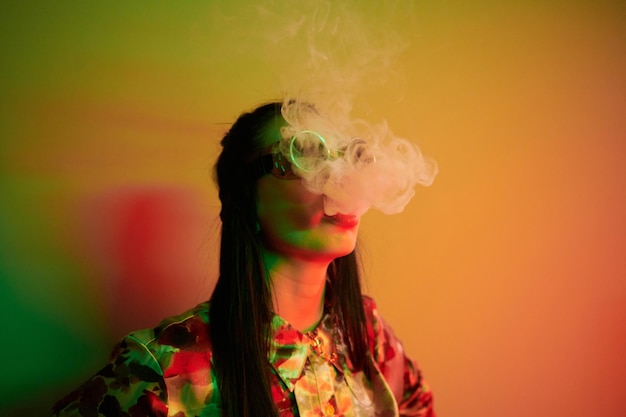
{"x":292,"y":219}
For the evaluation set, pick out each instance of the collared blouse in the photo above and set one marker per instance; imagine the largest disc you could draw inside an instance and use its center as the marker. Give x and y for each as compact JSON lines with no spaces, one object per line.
{"x":167,"y":371}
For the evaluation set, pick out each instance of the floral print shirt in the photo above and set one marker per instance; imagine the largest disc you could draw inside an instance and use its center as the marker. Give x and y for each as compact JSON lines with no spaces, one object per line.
{"x":167,"y":371}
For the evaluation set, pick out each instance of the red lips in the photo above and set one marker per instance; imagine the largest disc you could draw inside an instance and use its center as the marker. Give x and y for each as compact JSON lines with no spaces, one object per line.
{"x":347,"y":221}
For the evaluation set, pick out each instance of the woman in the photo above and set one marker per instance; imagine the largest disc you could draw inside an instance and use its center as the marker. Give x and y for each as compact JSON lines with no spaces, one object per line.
{"x":287,"y":331}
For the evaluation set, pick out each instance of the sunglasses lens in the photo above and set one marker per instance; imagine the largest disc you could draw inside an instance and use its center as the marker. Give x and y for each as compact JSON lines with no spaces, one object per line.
{"x":307,"y":150}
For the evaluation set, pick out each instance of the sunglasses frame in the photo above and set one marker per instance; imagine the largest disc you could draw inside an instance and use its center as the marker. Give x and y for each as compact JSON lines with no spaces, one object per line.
{"x":272,"y":161}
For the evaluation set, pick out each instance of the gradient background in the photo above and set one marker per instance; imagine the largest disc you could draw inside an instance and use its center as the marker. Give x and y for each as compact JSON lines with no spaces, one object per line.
{"x":506,"y":279}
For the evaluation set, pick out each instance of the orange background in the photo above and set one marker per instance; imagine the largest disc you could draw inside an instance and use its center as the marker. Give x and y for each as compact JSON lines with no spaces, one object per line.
{"x":506,"y":279}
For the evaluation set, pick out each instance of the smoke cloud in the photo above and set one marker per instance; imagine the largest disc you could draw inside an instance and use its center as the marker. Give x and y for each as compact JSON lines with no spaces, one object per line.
{"x":365,"y":165}
{"x":325,"y":57}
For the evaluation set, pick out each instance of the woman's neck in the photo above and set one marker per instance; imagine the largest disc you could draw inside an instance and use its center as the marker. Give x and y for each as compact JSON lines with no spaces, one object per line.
{"x":297,"y":288}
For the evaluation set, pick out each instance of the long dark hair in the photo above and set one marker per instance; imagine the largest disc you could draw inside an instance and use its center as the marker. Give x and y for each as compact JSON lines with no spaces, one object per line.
{"x":241,"y":304}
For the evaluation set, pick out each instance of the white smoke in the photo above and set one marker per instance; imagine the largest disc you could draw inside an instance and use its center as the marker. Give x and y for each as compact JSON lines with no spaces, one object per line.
{"x":371,"y":167}
{"x":325,"y":57}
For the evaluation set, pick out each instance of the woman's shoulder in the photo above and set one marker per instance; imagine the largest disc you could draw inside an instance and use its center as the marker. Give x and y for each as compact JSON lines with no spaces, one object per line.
{"x":173,"y":339}
{"x":368,"y":303}
{"x":372,"y":317}
{"x":180,"y":331}
{"x":381,"y":336}
{"x":147,"y":369}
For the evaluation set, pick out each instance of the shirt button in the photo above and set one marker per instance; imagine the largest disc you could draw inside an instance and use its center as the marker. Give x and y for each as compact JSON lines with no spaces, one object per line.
{"x":329,"y":410}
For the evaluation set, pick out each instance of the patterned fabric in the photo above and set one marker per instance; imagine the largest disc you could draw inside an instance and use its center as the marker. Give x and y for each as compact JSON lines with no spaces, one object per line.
{"x":167,"y":371}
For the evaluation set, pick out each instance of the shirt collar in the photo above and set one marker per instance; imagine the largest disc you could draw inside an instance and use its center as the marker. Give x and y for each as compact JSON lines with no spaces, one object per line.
{"x":289,"y":349}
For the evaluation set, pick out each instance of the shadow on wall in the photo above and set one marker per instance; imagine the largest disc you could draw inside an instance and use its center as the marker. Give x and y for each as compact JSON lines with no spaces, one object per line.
{"x":132,"y":257}
{"x":156,"y":250}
